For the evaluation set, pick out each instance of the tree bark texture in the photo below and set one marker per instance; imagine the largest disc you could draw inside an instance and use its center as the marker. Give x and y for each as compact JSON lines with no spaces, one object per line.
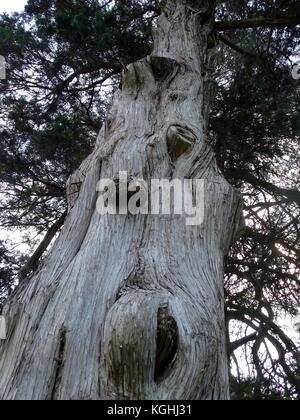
{"x":132,"y":307}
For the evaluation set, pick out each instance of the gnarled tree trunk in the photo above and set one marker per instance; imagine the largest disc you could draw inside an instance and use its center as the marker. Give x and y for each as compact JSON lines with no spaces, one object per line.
{"x":132,"y":307}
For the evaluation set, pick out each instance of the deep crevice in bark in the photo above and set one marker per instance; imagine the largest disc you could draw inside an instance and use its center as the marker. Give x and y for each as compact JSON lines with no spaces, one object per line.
{"x":59,"y":362}
{"x":180,"y":140}
{"x":162,"y":67}
{"x":166,"y":343}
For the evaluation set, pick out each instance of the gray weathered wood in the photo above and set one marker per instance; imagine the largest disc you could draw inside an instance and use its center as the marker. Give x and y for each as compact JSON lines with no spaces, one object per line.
{"x":115,"y":290}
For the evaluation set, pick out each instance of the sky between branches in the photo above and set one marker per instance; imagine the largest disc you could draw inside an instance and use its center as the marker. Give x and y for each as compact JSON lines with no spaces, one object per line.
{"x":12,"y":5}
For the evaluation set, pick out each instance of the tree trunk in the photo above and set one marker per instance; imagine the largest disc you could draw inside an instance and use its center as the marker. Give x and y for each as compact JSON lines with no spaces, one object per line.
{"x":132,"y":307}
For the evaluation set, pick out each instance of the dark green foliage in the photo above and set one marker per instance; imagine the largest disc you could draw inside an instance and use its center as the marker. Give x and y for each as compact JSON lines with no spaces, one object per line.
{"x":256,"y":129}
{"x":63,"y":61}
{"x":8,"y":265}
{"x":250,"y":390}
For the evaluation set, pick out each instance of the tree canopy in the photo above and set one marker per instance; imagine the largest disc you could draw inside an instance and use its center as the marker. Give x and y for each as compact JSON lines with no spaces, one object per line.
{"x":64,"y":59}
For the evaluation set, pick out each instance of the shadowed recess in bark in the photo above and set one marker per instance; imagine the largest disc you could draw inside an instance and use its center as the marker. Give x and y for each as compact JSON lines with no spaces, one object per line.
{"x":162,"y":67}
{"x":166,"y":343}
{"x":59,"y":362}
{"x":180,"y":140}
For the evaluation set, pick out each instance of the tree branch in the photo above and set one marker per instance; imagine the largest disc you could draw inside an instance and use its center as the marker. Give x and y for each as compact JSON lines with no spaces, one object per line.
{"x":292,"y":195}
{"x":238,"y":313}
{"x":280,"y":349}
{"x":235,"y":47}
{"x":259,"y":22}
{"x":33,"y":261}
{"x":244,"y":340}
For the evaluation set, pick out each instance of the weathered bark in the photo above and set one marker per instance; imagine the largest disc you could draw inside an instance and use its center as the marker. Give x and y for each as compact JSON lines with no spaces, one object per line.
{"x":132,"y":307}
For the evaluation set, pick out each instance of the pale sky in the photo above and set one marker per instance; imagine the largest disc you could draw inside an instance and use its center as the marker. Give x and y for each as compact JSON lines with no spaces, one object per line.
{"x":12,"y":5}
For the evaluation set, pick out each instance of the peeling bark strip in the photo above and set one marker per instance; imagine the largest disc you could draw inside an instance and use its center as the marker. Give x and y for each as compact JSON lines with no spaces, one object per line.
{"x":147,"y":290}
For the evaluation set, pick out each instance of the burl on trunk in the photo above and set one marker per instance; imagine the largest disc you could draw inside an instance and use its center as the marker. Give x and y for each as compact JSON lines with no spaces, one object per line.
{"x":132,"y":307}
